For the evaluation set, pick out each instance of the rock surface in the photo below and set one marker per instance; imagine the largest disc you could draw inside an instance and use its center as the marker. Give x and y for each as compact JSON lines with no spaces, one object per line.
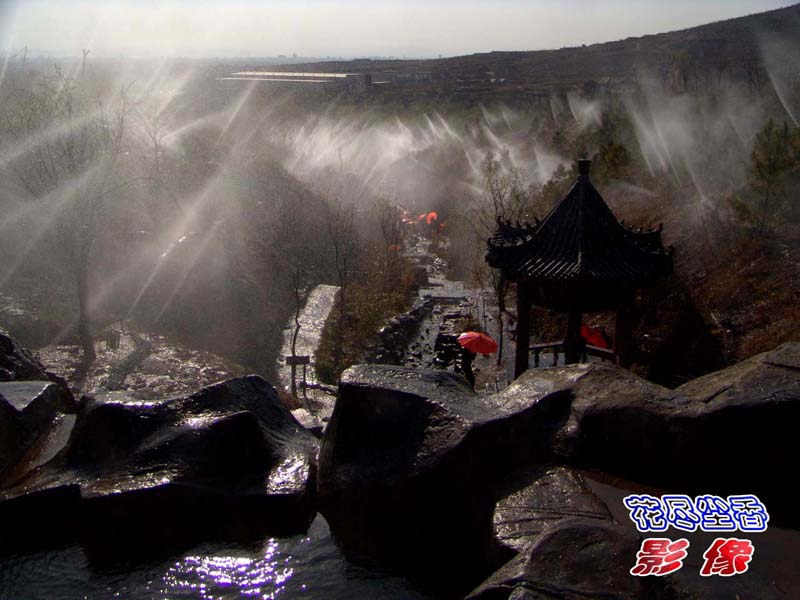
{"x":228,"y":459}
{"x":712,"y":435}
{"x":413,"y":463}
{"x":410,"y":466}
{"x":549,"y":495}
{"x":17,"y":364}
{"x":574,"y":558}
{"x":416,"y":471}
{"x":31,"y":400}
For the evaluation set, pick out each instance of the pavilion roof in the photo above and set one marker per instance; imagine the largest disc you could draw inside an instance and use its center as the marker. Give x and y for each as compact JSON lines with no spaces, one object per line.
{"x":580,"y":242}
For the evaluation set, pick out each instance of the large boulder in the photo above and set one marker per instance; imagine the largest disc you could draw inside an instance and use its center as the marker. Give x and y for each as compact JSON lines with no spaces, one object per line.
{"x":14,"y":435}
{"x":227,"y":460}
{"x":17,"y":364}
{"x":29,"y":411}
{"x":565,"y":538}
{"x":413,"y":462}
{"x":574,"y":558}
{"x":743,"y":434}
{"x":410,"y":469}
{"x":541,"y":497}
{"x":711,"y":435}
{"x":566,"y":542}
{"x":33,"y":409}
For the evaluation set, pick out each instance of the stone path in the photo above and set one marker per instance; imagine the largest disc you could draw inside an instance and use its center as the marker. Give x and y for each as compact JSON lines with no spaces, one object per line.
{"x":312,"y":319}
{"x":319,"y":400}
{"x":452,"y":307}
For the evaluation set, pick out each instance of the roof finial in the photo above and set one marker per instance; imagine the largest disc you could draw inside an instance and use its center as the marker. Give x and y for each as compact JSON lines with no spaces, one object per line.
{"x":584,"y":164}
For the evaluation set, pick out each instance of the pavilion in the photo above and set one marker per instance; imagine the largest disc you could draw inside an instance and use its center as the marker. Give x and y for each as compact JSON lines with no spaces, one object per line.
{"x":579,"y":259}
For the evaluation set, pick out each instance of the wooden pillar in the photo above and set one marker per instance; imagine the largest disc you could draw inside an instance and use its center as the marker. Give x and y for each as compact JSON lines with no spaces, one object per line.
{"x":574,"y":344}
{"x":623,"y":334}
{"x":523,"y":330}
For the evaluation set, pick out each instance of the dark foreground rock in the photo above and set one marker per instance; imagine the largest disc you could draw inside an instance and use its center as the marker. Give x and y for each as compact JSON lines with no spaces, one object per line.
{"x":413,"y":463}
{"x":410,"y":469}
{"x":545,"y":497}
{"x":566,"y":542}
{"x":17,"y":364}
{"x":228,"y":460}
{"x":33,"y":404}
{"x":729,"y":432}
{"x":574,"y":558}
{"x":28,"y":410}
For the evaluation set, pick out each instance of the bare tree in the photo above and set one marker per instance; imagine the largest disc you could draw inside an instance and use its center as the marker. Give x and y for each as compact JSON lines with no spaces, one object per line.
{"x":152,"y":119}
{"x":504,"y":197}
{"x":70,"y":148}
{"x":300,"y":283}
{"x":342,"y":237}
{"x":301,"y":266}
{"x":391,"y":226}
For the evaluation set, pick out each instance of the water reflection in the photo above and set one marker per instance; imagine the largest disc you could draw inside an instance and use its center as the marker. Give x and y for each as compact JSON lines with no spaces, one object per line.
{"x":218,"y":576}
{"x":309,"y":566}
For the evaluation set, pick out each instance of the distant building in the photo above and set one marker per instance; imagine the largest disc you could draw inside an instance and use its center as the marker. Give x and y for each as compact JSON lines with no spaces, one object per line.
{"x":357,"y":82}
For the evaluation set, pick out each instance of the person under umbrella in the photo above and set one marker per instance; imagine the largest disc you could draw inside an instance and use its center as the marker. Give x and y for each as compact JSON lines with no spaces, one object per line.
{"x":465,"y":359}
{"x":472,"y":343}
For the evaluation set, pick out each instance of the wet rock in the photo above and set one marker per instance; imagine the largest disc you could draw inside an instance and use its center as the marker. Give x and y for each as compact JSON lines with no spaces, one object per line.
{"x":227,"y":460}
{"x":611,"y":413}
{"x":36,"y":402}
{"x":574,"y":558}
{"x":745,"y":418}
{"x":712,"y":435}
{"x":309,"y":421}
{"x":547,"y":496}
{"x":395,"y":337}
{"x":14,"y":435}
{"x":409,"y":467}
{"x":413,"y":462}
{"x":17,"y":364}
{"x":688,"y":583}
{"x":27,"y":411}
{"x":44,"y":517}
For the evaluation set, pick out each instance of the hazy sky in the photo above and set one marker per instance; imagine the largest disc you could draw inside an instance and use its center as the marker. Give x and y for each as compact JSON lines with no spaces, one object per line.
{"x":351,"y":28}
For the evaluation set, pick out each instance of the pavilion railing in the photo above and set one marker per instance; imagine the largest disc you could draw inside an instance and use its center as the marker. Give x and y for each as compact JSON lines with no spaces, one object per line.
{"x":558,"y":347}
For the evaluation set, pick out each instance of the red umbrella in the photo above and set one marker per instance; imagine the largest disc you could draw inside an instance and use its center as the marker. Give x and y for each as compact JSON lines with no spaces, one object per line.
{"x":479,"y":343}
{"x":594,"y":336}
{"x":432,"y":216}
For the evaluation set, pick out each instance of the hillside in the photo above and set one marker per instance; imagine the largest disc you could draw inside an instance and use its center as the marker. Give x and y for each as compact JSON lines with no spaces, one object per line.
{"x":734,"y":49}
